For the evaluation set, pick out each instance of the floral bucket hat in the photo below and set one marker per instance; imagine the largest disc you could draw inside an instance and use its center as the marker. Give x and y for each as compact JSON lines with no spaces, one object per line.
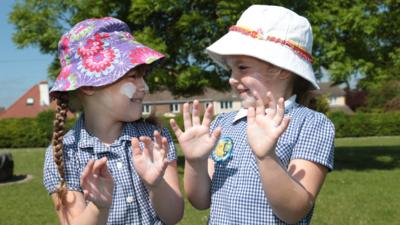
{"x":97,"y":52}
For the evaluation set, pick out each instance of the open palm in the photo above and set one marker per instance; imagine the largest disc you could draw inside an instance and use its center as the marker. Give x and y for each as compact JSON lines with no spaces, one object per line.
{"x":97,"y":183}
{"x":196,"y":141}
{"x":150,"y":164}
{"x":265,"y":126}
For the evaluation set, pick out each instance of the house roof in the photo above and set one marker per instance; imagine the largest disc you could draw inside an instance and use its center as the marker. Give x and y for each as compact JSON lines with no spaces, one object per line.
{"x":330,"y":89}
{"x":28,"y":105}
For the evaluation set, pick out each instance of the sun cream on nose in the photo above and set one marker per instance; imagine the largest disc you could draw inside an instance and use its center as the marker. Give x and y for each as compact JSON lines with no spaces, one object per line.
{"x":128,"y":89}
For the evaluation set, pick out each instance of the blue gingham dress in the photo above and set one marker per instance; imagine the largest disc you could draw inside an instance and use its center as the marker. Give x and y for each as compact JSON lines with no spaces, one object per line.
{"x":237,"y":196}
{"x":131,"y":203}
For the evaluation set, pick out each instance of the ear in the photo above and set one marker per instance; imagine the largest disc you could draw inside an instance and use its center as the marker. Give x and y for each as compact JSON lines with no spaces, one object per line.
{"x":87,"y":90}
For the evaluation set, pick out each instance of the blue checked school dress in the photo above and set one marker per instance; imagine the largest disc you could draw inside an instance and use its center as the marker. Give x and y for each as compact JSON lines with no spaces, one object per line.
{"x":237,"y":196}
{"x":131,"y":203}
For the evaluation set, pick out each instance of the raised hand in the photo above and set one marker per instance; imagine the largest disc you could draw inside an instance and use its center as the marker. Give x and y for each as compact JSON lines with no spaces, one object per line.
{"x":150,"y":164}
{"x":97,"y":183}
{"x":196,"y":141}
{"x":264,"y":127}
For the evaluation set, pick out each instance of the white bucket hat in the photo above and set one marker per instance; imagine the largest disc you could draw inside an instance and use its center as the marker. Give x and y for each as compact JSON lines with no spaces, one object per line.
{"x":273,"y":34}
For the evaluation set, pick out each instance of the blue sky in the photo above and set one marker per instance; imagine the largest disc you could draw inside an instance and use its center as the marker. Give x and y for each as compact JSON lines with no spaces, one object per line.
{"x":20,"y":69}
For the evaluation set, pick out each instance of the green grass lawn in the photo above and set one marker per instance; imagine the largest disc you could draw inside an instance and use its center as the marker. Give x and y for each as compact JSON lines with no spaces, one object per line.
{"x":363,"y":188}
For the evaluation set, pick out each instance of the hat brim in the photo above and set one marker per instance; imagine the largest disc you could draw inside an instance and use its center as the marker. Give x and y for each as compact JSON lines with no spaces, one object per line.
{"x":234,"y":43}
{"x":104,"y":78}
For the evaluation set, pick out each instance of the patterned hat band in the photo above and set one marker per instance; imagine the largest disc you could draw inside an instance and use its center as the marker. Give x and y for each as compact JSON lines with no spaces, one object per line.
{"x":258,"y":35}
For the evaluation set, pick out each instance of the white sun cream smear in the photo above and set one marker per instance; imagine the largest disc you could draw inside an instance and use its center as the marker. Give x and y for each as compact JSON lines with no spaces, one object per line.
{"x":128,"y":89}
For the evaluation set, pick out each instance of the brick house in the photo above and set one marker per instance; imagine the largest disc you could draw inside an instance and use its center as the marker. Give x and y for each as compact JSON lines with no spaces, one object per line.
{"x":336,"y":97}
{"x":163,"y":103}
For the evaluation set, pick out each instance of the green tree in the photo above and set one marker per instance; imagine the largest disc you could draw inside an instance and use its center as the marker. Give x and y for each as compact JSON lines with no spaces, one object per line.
{"x":359,"y":37}
{"x":180,"y":28}
{"x":350,"y":37}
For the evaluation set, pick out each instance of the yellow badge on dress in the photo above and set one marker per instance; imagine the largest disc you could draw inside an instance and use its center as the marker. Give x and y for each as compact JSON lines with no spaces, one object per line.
{"x":223,"y":149}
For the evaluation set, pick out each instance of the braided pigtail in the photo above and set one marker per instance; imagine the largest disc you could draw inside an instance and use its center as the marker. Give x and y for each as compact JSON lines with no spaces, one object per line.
{"x":57,"y":142}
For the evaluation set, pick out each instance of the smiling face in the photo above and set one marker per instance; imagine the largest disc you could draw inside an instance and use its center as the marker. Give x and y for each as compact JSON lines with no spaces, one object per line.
{"x":121,"y":100}
{"x":249,"y":74}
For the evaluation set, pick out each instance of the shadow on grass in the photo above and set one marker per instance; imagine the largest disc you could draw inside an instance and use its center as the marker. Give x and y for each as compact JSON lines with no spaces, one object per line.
{"x":17,"y":179}
{"x":366,"y":158}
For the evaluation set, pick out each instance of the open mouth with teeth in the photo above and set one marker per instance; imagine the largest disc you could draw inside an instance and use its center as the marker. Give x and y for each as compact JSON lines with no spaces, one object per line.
{"x":136,"y":100}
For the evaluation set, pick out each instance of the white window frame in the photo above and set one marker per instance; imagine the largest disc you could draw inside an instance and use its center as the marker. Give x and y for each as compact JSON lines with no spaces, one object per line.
{"x":175,"y":107}
{"x":30,"y":101}
{"x":146,"y":108}
{"x":226,"y":104}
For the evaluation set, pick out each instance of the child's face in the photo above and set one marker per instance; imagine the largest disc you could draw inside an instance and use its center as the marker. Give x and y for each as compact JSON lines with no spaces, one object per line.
{"x":249,"y":74}
{"x":122,"y":100}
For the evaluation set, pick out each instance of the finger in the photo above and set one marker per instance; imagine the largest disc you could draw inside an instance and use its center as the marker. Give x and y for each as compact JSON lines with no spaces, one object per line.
{"x":136,"y":151}
{"x":90,"y":197}
{"x":280,"y":112}
{"x":175,"y":128}
{"x":251,"y":115}
{"x":86,"y":172}
{"x":216,"y":134}
{"x":208,"y":115}
{"x":186,"y":117}
{"x":283,"y":126}
{"x":104,"y":172}
{"x":148,"y":146}
{"x":165,"y":147}
{"x":196,"y":113}
{"x":260,"y":108}
{"x":98,"y":164}
{"x":157,"y":138}
{"x":271,"y":111}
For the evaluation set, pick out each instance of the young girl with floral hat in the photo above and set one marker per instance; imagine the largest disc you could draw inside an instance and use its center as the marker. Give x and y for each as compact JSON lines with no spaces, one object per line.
{"x":252,"y":166}
{"x":112,"y":167}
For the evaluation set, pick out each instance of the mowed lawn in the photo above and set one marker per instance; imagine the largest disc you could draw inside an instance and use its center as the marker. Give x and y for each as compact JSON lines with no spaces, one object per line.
{"x":363,"y":188}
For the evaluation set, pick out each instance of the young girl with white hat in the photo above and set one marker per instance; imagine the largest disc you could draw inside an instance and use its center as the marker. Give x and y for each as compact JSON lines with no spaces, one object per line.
{"x":112,"y":167}
{"x":253,"y":166}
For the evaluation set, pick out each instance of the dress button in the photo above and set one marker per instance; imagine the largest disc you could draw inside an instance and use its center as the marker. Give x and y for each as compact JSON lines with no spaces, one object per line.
{"x":129,"y":199}
{"x":119,"y":165}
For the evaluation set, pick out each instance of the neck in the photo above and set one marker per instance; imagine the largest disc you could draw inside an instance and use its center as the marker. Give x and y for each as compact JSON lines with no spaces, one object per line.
{"x":102,"y":126}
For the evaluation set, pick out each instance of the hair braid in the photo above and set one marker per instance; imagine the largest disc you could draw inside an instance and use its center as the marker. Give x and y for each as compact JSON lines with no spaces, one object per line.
{"x":57,"y":142}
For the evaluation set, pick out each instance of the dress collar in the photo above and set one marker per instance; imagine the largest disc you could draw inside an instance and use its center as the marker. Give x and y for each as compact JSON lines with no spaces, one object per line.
{"x":87,"y":140}
{"x":289,"y":104}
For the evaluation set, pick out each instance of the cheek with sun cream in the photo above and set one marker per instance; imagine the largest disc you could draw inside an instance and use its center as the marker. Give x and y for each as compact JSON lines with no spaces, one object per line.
{"x":128,"y":89}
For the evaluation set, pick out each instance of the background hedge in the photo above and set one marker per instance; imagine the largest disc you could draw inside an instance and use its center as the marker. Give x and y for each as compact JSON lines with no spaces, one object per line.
{"x":366,"y":124}
{"x":37,"y":132}
{"x":28,"y":132}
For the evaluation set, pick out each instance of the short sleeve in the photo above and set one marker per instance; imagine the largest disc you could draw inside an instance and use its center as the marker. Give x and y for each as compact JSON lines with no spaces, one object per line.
{"x":51,"y":177}
{"x":171,"y":156}
{"x":316,"y":140}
